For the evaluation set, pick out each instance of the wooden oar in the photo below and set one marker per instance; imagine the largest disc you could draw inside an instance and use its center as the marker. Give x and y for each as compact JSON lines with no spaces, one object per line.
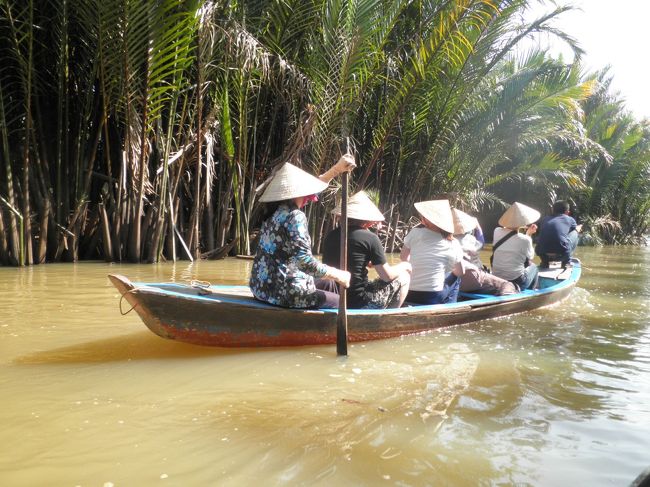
{"x":342,"y":318}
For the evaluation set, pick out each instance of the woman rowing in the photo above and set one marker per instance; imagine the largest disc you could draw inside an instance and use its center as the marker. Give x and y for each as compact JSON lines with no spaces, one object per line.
{"x":284,"y":268}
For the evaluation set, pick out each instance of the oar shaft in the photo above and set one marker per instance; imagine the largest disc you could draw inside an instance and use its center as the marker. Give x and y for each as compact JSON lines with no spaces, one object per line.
{"x":342,"y":318}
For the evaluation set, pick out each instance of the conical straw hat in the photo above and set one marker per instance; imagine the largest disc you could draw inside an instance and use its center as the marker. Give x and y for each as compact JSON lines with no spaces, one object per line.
{"x":463,"y":223}
{"x":291,"y":182}
{"x":437,"y":212}
{"x":360,"y":207}
{"x":519,"y":215}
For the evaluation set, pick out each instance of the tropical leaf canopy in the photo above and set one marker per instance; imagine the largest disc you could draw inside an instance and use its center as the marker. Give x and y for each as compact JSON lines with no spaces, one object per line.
{"x":140,"y":130}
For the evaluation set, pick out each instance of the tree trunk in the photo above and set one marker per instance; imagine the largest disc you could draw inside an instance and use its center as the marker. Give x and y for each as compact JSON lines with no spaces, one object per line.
{"x":135,"y":250}
{"x":4,"y":248}
{"x":27,"y":228}
{"x":106,"y":234}
{"x":43,"y":232}
{"x":390,"y":221}
{"x":196,"y":220}
{"x":394,"y":233}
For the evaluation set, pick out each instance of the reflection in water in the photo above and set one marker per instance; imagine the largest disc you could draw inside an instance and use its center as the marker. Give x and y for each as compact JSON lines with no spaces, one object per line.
{"x":141,"y":345}
{"x":355,"y":416}
{"x":553,"y":397}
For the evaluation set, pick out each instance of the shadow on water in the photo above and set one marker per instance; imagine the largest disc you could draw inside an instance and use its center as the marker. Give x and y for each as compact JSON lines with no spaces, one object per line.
{"x":135,"y":346}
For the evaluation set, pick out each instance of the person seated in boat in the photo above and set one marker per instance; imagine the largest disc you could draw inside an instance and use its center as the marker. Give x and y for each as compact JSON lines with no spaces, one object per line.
{"x":464,"y":231}
{"x":475,"y":279}
{"x":512,"y":251}
{"x":436,"y":261}
{"x":477,"y":233}
{"x":365,"y":249}
{"x":284,"y":268}
{"x":558,"y":235}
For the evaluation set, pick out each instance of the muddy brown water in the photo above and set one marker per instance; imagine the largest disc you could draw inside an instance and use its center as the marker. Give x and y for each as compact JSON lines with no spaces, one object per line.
{"x":558,"y":396}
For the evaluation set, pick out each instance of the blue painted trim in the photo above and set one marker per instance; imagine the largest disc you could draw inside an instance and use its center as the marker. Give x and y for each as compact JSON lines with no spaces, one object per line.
{"x":482,"y":300}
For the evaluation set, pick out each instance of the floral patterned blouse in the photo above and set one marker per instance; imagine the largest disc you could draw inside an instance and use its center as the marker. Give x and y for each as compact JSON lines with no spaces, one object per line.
{"x":284,"y":268}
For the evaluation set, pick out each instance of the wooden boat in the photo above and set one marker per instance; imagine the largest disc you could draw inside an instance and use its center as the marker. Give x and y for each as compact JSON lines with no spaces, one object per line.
{"x":229,"y":316}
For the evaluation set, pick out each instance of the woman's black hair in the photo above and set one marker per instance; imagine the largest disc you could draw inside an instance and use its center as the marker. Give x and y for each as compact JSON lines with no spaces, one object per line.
{"x":445,"y":235}
{"x":272,"y":206}
{"x":353,"y":222}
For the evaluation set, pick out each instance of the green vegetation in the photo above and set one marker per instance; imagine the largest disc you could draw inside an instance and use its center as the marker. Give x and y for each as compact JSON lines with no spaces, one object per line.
{"x":138,"y":130}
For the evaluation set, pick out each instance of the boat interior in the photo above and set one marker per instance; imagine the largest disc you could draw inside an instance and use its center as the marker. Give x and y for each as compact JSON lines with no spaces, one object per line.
{"x":548,"y":277}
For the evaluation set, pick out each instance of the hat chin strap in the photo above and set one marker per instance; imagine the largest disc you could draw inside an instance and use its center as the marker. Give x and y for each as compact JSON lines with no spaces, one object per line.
{"x":302,"y":201}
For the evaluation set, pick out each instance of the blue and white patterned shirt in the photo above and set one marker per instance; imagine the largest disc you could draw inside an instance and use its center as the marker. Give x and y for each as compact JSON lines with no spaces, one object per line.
{"x":284,"y":268}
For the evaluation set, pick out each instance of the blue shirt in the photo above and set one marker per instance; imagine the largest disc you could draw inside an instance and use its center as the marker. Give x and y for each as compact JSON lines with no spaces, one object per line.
{"x":554,"y":232}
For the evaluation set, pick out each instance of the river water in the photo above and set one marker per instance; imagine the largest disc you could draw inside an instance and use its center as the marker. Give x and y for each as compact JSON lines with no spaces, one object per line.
{"x":559,"y":396}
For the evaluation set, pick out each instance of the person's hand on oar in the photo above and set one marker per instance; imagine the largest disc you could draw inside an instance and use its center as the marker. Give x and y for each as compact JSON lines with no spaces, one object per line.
{"x":339,"y":276}
{"x":346,"y":163}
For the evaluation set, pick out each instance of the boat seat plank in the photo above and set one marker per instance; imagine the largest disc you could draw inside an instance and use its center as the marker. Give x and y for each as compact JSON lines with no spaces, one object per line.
{"x":556,"y":274}
{"x":475,"y":295}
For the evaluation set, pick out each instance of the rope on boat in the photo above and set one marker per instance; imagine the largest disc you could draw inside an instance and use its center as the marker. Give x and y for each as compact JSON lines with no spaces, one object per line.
{"x":202,"y":286}
{"x":122,"y":297}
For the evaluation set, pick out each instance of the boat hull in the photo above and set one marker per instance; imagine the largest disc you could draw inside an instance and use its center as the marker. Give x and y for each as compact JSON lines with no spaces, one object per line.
{"x":228,"y":316}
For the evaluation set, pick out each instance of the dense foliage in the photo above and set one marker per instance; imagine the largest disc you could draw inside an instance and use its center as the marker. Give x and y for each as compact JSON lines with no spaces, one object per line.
{"x":139,"y":130}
